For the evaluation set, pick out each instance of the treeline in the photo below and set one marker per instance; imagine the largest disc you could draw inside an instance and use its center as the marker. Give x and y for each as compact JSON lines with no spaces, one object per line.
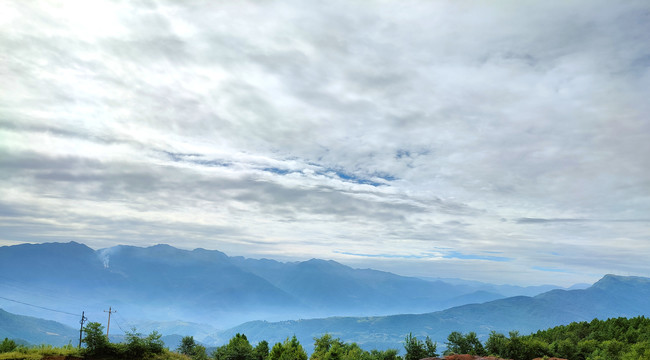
{"x":612,"y":339}
{"x":325,"y":348}
{"x":136,"y":346}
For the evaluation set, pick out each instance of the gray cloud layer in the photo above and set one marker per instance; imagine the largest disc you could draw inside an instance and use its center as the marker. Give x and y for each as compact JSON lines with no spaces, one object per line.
{"x":436,"y":133}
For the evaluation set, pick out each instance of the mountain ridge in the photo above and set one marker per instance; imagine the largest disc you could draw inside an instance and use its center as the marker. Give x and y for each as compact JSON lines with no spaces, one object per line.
{"x":521,"y":313}
{"x":230,"y":290}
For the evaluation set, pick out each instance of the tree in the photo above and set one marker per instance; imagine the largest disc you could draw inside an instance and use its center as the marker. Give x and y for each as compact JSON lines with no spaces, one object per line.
{"x":431,"y":347}
{"x":261,"y":351}
{"x":416,"y":349}
{"x":325,"y":347}
{"x":456,"y":343}
{"x":95,"y":340}
{"x":321,"y":346}
{"x":138,"y":347}
{"x":187,"y":346}
{"x":496,"y":344}
{"x":7,"y":345}
{"x":474,"y":344}
{"x":190,"y":348}
{"x":288,"y":350}
{"x":390,"y":354}
{"x":515,"y":348}
{"x":238,"y":348}
{"x":154,"y":342}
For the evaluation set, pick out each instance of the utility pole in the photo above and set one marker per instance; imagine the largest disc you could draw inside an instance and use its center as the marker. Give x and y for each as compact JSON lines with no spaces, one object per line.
{"x":110,"y":311}
{"x":83,"y":319}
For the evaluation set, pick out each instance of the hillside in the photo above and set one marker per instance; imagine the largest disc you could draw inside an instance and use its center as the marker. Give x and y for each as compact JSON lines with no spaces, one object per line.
{"x":36,"y":331}
{"x":612,"y":296}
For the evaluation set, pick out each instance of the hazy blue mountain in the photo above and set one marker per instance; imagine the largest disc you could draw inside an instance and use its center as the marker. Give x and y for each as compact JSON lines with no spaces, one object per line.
{"x":612,"y":296}
{"x":166,"y":284}
{"x":503,"y":290}
{"x":36,"y":331}
{"x":476,"y":297}
{"x":328,"y":285}
{"x":204,"y":286}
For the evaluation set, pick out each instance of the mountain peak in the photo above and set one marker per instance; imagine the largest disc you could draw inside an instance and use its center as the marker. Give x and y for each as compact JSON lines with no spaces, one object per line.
{"x":610,"y":281}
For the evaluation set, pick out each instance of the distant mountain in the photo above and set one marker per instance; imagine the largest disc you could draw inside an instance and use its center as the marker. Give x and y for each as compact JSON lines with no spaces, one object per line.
{"x":166,"y":284}
{"x":36,"y":331}
{"x":612,"y":296}
{"x":503,"y":290}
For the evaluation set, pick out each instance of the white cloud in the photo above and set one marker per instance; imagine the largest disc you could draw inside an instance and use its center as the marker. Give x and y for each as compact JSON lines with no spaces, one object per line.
{"x":304,"y":129}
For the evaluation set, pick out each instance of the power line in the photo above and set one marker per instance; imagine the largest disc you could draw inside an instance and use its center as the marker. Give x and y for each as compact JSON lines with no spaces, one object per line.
{"x":40,"y":307}
{"x":42,"y":291}
{"x":118,"y":324}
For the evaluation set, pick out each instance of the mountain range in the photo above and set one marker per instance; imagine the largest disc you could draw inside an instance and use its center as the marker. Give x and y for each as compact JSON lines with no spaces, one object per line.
{"x":179,"y":292}
{"x":164,"y":283}
{"x":612,"y":296}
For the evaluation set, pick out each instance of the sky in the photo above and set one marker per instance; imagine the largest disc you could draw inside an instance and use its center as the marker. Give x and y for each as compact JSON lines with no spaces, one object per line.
{"x":502,"y":141}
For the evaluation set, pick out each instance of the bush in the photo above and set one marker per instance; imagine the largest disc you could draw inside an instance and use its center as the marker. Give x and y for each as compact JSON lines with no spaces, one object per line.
{"x":8,"y":346}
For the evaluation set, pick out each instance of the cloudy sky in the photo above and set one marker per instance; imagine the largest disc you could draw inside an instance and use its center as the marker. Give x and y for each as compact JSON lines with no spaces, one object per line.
{"x":498,"y":141}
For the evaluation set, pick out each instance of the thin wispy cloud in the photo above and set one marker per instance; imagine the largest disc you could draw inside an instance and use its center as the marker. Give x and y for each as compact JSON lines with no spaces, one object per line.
{"x":342,"y":130}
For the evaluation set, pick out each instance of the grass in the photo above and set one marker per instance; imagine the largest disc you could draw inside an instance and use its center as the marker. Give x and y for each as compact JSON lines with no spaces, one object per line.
{"x":39,"y":352}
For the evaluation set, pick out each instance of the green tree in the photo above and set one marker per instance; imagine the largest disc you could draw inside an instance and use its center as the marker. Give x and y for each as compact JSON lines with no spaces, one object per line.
{"x":496,"y":344}
{"x":457,"y":343}
{"x":7,"y":345}
{"x":431,"y":347}
{"x":416,"y":349}
{"x":190,"y":348}
{"x":515,"y":348}
{"x":200,"y":353}
{"x":95,"y":340}
{"x":535,"y":348}
{"x":290,"y":349}
{"x":138,"y":347}
{"x":238,"y":348}
{"x":220,"y":352}
{"x":154,"y":342}
{"x":390,"y":354}
{"x":261,"y":350}
{"x":322,"y":345}
{"x":565,"y":348}
{"x":475,"y":346}
{"x":187,"y":346}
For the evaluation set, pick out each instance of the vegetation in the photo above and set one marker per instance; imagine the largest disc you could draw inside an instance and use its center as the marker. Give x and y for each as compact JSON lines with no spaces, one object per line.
{"x":136,"y":347}
{"x":9,"y":350}
{"x":327,"y":348}
{"x":612,"y":339}
{"x":237,"y":349}
{"x":288,"y":350}
{"x":416,"y":349}
{"x":7,"y":346}
{"x":457,"y":343}
{"x":191,"y":349}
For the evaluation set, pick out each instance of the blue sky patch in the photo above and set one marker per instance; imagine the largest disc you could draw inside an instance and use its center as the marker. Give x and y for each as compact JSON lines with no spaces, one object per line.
{"x":392,"y":256}
{"x":541,"y":268}
{"x":457,"y":255}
